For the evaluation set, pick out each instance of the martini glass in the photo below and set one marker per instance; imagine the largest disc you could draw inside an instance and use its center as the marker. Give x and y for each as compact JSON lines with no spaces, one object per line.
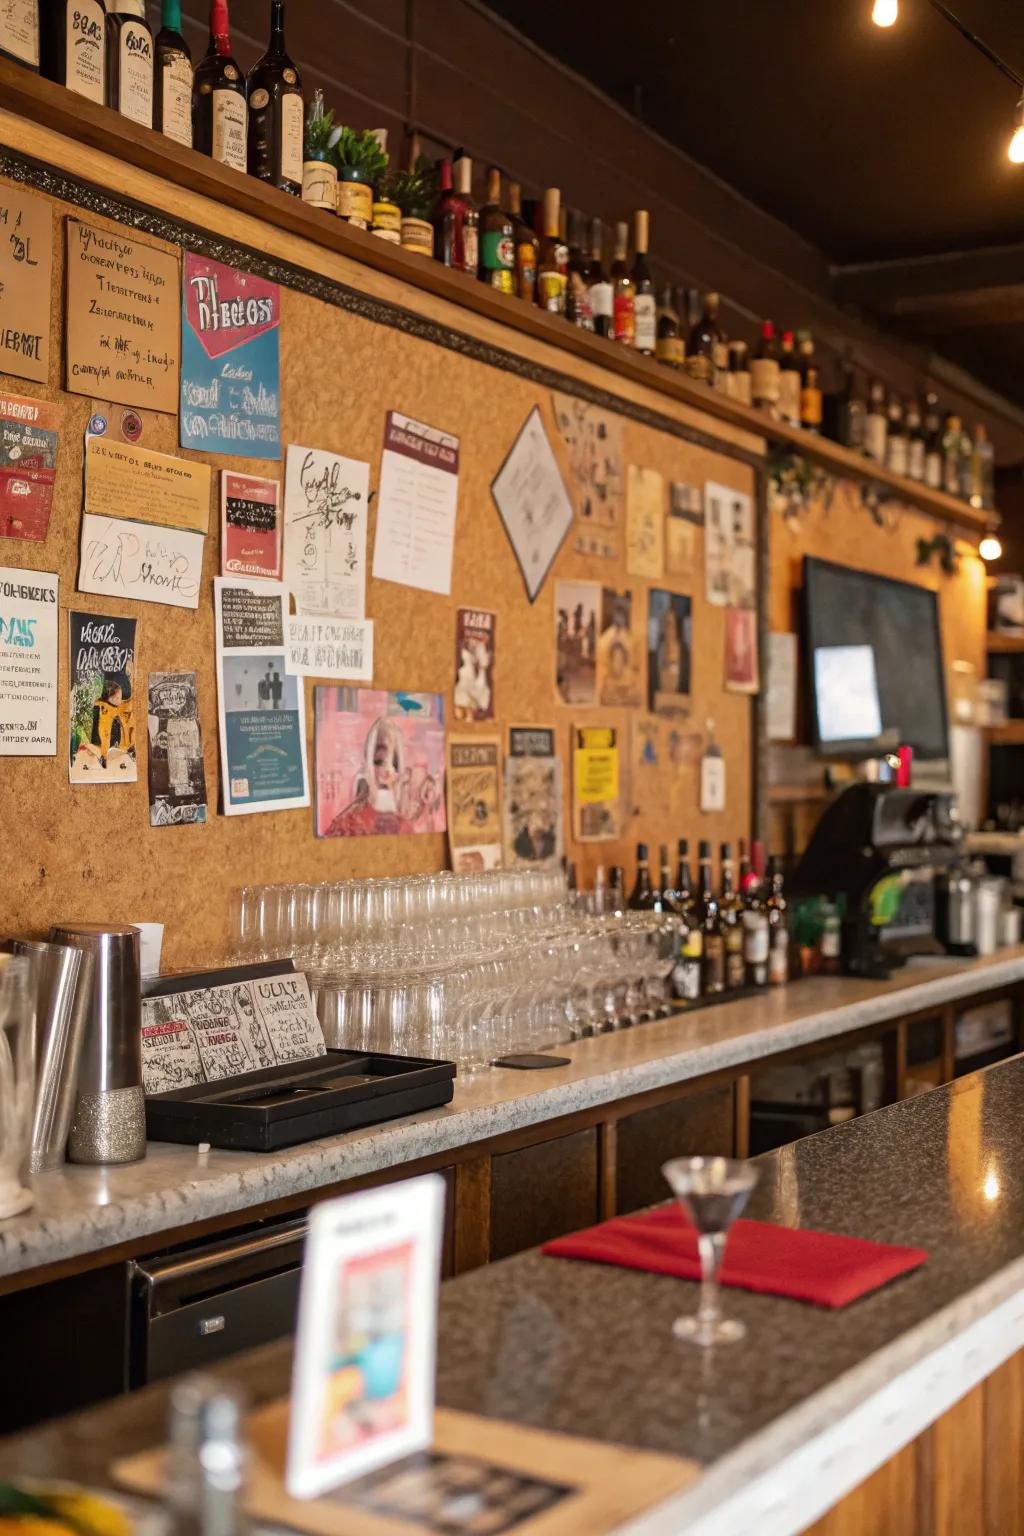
{"x":713,"y":1192}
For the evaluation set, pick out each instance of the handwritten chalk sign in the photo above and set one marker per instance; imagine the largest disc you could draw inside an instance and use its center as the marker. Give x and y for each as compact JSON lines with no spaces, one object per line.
{"x":121,"y":321}
{"x":26,"y":276}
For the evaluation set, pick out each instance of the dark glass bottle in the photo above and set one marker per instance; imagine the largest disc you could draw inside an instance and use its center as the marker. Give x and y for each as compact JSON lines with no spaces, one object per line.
{"x":577,"y":284}
{"x":129,"y":48}
{"x":713,"y":958}
{"x":703,"y":341}
{"x":915,"y":441}
{"x":497,"y":239}
{"x":277,"y":113}
{"x":645,"y":329}
{"x":846,"y":409}
{"x":643,"y":897}
{"x":778,"y":925}
{"x":667,"y":898}
{"x":623,"y":292}
{"x":730,"y":909}
{"x":876,"y":423}
{"x":172,"y":78}
{"x":686,"y":974}
{"x":617,"y":889}
{"x":73,"y":46}
{"x":789,"y":381}
{"x":455,"y":222}
{"x":553,"y":262}
{"x":219,"y":119}
{"x":19,"y":32}
{"x":526,"y":246}
{"x":932,"y":443}
{"x":811,"y":400}
{"x":765,"y":383}
{"x":668,"y":345}
{"x":897,"y":454}
{"x":602,"y":298}
{"x":739,"y":373}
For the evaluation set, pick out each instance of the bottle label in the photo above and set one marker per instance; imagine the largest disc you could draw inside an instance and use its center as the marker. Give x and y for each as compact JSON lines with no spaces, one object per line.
{"x":741,"y":390}
{"x":700,"y":367}
{"x":933,"y":469}
{"x":387,"y":218}
{"x":896,"y":454}
{"x":735,"y":970}
{"x":810,"y":407}
{"x":624,"y":317}
{"x":876,"y":430}
{"x":177,"y":98}
{"x":470,"y":248}
{"x":135,"y":73}
{"x":230,"y":124}
{"x":669,"y":349}
{"x":693,"y":944}
{"x":292,"y":136}
{"x":601,"y":306}
{"x":714,"y":963}
{"x":778,"y":957}
{"x":497,"y":253}
{"x":526,"y":270}
{"x":355,"y":203}
{"x":84,"y":59}
{"x":578,"y":301}
{"x":686,"y":980}
{"x":764,"y":379}
{"x":755,"y":938}
{"x":551,"y":290}
{"x":789,"y":395}
{"x":915,"y":459}
{"x":418,"y":236}
{"x":644,"y":322}
{"x":502,"y":279}
{"x":320,"y":185}
{"x":831,"y":942}
{"x":19,"y":30}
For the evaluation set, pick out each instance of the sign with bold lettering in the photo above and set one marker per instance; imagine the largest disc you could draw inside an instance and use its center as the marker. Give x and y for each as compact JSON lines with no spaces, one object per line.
{"x":231,"y":362}
{"x":26,"y":284}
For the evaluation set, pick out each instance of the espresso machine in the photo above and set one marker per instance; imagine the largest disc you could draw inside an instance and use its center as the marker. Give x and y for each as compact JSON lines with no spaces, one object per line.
{"x":893,"y":855}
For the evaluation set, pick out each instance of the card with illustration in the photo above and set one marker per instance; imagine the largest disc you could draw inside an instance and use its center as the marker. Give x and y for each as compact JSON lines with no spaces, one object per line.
{"x":250,"y":526}
{"x":533,"y":835}
{"x":576,"y":612}
{"x":669,"y":652}
{"x":101,"y":702}
{"x":177,"y":777}
{"x":474,"y":823}
{"x":619,"y":652}
{"x":645,"y":522}
{"x":379,"y":762}
{"x":597,"y":814}
{"x":474,"y":663}
{"x":230,"y":360}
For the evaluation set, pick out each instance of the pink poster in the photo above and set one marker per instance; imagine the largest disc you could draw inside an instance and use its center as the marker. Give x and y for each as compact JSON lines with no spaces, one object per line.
{"x":250,"y":539}
{"x":379,"y":762}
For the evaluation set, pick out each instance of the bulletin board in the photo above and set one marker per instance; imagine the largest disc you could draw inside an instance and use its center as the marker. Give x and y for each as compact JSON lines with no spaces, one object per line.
{"x":88,"y":853}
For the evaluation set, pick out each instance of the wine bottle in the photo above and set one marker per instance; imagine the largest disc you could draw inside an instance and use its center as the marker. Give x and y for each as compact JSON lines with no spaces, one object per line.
{"x":702,"y":342}
{"x":876,"y":423}
{"x":644,"y":317}
{"x":730,"y":909}
{"x":623,"y":291}
{"x":497,"y":239}
{"x":896,"y":445}
{"x":129,"y":64}
{"x":526,"y":246}
{"x":456,"y":241}
{"x":778,"y":925}
{"x":668,"y":345}
{"x":643,"y":897}
{"x":577,"y":271}
{"x":915,"y":441}
{"x":668,"y":900}
{"x":172,"y":77}
{"x":553,"y":261}
{"x":277,"y":113}
{"x":739,"y":373}
{"x":811,"y":400}
{"x":73,"y":46}
{"x":713,"y":960}
{"x":219,"y":118}
{"x":19,"y":32}
{"x":602,"y":306}
{"x":789,"y":382}
{"x":932,"y":443}
{"x":686,"y":973}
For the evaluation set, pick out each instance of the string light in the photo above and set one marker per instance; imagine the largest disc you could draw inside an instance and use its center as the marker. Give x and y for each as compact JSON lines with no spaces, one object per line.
{"x":886,"y":13}
{"x":1016,"y":146}
{"x":990,"y":548}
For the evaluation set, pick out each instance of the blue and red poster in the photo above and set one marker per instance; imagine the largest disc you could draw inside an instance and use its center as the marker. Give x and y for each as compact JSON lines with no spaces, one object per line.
{"x":230,"y":361}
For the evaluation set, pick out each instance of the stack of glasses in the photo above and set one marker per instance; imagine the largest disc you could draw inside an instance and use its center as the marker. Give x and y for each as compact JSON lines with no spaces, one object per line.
{"x":467,"y":968}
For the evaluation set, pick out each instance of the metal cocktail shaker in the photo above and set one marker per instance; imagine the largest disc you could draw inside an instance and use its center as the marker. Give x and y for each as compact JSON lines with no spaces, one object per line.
{"x":62,"y":979}
{"x":109,"y":1124}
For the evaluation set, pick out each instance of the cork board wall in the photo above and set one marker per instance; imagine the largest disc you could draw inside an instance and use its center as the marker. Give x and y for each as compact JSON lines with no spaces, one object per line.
{"x":89,"y":853}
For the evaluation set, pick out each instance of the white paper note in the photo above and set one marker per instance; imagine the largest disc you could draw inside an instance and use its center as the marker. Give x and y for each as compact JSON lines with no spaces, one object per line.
{"x":28,"y":663}
{"x":325,"y":515}
{"x":140,"y":561}
{"x":419,"y":487}
{"x":530,"y":494}
{"x":319,"y":647}
{"x":781,"y":705}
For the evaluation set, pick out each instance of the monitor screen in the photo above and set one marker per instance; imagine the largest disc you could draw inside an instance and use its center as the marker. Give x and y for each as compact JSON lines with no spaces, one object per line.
{"x":875,"y":674}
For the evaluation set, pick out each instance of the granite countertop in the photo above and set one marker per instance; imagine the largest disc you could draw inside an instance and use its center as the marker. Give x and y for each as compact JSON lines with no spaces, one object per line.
{"x":81,"y":1210}
{"x":588,"y":1350}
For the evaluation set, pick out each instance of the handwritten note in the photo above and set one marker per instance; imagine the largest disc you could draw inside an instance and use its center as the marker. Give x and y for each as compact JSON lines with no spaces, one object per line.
{"x":122,"y":319}
{"x":124,"y":481}
{"x":419,"y":487}
{"x":26,"y":284}
{"x":341,"y":648}
{"x":136,"y":560}
{"x":325,"y":517}
{"x":534,"y":504}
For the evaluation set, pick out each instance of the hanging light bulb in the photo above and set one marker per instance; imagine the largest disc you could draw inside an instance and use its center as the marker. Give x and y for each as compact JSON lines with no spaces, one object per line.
{"x":990,"y":547}
{"x":1016,"y":145}
{"x":885,"y":13}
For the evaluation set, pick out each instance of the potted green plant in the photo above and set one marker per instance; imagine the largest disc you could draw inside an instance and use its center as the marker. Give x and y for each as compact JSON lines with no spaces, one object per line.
{"x":361,"y":164}
{"x":414,"y":192}
{"x":319,"y":173}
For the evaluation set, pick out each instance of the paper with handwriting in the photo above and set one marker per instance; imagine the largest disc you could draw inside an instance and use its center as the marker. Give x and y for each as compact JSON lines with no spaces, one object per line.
{"x":319,"y":647}
{"x":26,"y":282}
{"x":325,"y":518}
{"x":119,"y":558}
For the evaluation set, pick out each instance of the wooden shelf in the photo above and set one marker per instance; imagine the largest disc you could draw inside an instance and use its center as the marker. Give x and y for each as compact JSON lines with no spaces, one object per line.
{"x":1009,"y":735}
{"x":998,"y":643}
{"x":36,"y":100}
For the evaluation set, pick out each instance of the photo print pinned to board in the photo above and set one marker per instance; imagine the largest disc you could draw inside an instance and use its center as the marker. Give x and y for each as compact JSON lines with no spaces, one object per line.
{"x":684,"y":525}
{"x":594,"y":440}
{"x":730,"y":562}
{"x":645,"y":523}
{"x":533,"y":503}
{"x":669,"y":652}
{"x":177,"y":777}
{"x":577,"y":609}
{"x":475,"y":631}
{"x":620,"y":672}
{"x":533,"y":830}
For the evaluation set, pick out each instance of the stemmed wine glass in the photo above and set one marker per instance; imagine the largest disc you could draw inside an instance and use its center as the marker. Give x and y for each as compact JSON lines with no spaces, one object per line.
{"x":712,"y":1191}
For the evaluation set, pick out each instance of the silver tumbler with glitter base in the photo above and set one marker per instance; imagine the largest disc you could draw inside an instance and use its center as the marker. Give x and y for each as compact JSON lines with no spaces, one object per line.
{"x":109,"y":1124}
{"x":63,"y":983}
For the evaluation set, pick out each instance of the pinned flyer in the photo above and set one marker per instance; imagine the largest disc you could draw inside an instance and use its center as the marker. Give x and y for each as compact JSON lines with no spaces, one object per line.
{"x":419,"y":488}
{"x":363,"y":1377}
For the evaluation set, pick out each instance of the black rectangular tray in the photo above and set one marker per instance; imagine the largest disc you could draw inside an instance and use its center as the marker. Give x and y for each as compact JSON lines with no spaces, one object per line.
{"x":281,"y":1106}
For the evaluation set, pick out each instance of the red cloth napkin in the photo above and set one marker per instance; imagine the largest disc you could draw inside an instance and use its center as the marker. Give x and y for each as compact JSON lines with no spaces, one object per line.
{"x":818,"y":1267}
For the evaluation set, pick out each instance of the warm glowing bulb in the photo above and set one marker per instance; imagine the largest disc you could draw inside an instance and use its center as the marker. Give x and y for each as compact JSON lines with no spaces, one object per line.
{"x":885,"y":13}
{"x":990,"y":1188}
{"x":1016,"y":149}
{"x":990,"y":547}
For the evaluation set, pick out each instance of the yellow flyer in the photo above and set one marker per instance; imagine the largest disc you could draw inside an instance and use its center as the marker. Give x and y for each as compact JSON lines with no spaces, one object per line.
{"x":595,"y":783}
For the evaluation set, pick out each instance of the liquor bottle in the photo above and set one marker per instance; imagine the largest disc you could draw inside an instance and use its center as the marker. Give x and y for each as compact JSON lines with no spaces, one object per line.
{"x":599,"y":903}
{"x":526,"y":246}
{"x":730,"y":910}
{"x":811,"y":402}
{"x":73,"y":47}
{"x":744,"y":873}
{"x":553,"y":262}
{"x":668,"y":345}
{"x":876,"y":423}
{"x":455,"y":221}
{"x":739,"y":373}
{"x":276,"y":113}
{"x":617,"y":889}
{"x":172,"y":77}
{"x":623,"y":291}
{"x":19,"y":32}
{"x":497,"y":239}
{"x":686,"y":973}
{"x":702,"y":341}
{"x":915,"y":441}
{"x":897,"y":446}
{"x":756,"y":945}
{"x":846,"y":409}
{"x":667,"y":899}
{"x":602,"y":299}
{"x":720,"y":359}
{"x":789,"y":381}
{"x":932,"y":443}
{"x":463,"y":173}
{"x":765,"y":381}
{"x":982,"y":470}
{"x":577,"y":275}
{"x":129,"y":65}
{"x":645,"y":325}
{"x":713,"y":958}
{"x":778,"y":925}
{"x":952,"y":435}
{"x":830,"y":945}
{"x":643,"y":897}
{"x":219,"y":118}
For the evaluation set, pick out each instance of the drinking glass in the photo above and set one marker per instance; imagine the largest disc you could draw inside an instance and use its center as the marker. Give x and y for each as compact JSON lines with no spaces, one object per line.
{"x":713,"y":1191}
{"x":17,"y":1080}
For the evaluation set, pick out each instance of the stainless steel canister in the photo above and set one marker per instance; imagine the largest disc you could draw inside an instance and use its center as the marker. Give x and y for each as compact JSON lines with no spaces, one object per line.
{"x":62,"y":977}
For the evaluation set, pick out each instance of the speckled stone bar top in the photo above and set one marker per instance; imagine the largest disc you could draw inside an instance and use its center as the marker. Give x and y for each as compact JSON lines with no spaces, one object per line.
{"x":82,"y":1210}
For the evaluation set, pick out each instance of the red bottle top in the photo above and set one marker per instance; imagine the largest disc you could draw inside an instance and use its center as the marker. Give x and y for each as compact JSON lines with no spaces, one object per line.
{"x":787,"y":338}
{"x":905,"y":756}
{"x":768,"y":330}
{"x":444,"y":175}
{"x":219,"y":27}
